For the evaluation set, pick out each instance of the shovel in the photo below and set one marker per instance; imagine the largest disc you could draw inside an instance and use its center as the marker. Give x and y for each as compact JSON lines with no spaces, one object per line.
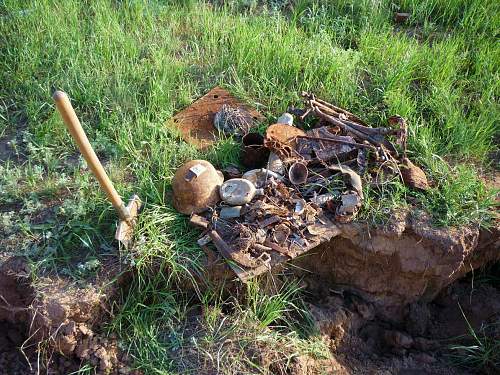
{"x":128,"y":213}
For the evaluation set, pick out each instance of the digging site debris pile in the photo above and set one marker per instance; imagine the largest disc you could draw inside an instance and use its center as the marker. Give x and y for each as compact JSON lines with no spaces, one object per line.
{"x":299,"y":186}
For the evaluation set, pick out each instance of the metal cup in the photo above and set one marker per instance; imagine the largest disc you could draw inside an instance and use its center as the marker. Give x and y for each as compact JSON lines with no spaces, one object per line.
{"x":254,"y":154}
{"x":297,"y":173}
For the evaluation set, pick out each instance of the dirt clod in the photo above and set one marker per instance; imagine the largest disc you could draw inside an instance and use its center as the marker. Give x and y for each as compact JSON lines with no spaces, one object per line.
{"x":417,"y":318}
{"x":396,"y":339}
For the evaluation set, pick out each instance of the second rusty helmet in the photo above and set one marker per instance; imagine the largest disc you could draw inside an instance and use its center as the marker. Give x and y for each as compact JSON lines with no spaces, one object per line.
{"x":196,"y":186}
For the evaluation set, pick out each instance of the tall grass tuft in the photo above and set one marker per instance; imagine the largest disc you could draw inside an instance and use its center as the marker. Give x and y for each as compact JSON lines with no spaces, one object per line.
{"x":483,"y":352}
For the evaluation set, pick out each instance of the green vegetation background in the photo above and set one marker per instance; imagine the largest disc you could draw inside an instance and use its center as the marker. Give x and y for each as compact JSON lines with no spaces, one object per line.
{"x":128,"y":66}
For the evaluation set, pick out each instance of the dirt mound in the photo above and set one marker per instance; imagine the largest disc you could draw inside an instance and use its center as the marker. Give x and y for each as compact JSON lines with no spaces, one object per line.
{"x":406,"y":262}
{"x":62,"y":319}
{"x":56,"y":326}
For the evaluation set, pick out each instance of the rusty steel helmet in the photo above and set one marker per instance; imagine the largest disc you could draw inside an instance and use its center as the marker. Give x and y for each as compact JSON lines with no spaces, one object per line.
{"x":196,"y":186}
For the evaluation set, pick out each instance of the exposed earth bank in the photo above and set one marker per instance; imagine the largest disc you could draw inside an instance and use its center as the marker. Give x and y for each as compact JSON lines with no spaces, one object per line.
{"x":54,"y":328}
{"x":385,"y":300}
{"x":405,"y":262}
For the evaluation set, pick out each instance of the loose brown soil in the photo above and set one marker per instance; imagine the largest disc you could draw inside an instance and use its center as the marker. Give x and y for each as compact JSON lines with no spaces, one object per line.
{"x":56,"y":328}
{"x":365,"y":343}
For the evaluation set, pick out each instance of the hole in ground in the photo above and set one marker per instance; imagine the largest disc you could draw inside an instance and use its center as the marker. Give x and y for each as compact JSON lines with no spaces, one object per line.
{"x":12,"y":360}
{"x":16,"y":294}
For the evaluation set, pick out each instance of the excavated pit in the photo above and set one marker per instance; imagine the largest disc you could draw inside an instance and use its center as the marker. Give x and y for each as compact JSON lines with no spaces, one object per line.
{"x":408,"y":261}
{"x":371,"y":299}
{"x":393,"y":300}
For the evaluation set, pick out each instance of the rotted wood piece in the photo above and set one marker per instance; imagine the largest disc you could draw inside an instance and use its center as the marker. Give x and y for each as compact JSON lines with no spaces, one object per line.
{"x":338,"y":139}
{"x":196,"y":122}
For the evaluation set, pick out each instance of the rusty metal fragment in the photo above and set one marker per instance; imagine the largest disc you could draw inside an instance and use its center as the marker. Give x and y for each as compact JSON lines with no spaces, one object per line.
{"x":281,"y":233}
{"x":284,"y":134}
{"x":196,"y":122}
{"x":198,"y":221}
{"x":297,"y":173}
{"x":254,"y":154}
{"x":401,"y":17}
{"x":269,"y":221}
{"x":355,"y":180}
{"x":229,"y":253}
{"x":413,"y":176}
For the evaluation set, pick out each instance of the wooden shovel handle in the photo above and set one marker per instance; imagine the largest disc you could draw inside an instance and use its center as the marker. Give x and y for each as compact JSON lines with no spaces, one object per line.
{"x":75,"y":128}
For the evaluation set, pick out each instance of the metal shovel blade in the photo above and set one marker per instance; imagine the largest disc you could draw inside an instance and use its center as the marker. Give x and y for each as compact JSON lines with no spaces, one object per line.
{"x":125,"y":229}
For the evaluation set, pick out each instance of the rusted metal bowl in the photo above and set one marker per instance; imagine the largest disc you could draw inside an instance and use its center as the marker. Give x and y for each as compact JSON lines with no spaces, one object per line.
{"x":196,"y":187}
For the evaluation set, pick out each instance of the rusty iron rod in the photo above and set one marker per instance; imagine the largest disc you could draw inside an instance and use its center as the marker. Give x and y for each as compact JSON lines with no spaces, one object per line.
{"x":336,"y":140}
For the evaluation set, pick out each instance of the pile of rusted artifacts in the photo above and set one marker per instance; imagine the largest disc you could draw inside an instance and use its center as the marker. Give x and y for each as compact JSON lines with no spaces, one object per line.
{"x":298,"y":184}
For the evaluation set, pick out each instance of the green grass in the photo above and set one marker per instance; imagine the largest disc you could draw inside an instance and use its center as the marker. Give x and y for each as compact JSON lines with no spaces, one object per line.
{"x":480,"y":349}
{"x":128,"y":66}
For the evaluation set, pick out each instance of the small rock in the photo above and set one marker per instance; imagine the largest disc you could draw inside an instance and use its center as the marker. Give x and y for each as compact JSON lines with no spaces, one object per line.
{"x":57,"y":311}
{"x":398,"y":339}
{"x":82,"y":350}
{"x":424,"y":358}
{"x":285,"y":118}
{"x":413,"y":176}
{"x":66,"y":344}
{"x":85,"y":330}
